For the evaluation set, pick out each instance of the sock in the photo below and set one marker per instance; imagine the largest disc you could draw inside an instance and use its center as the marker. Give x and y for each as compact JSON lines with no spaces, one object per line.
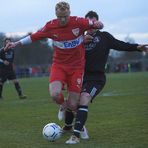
{"x":1,"y":89}
{"x":18,"y":89}
{"x":60,"y":99}
{"x":81,"y":118}
{"x":69,"y":116}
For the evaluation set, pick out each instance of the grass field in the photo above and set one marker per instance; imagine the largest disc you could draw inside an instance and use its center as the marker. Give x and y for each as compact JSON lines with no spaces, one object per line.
{"x":118,"y":118}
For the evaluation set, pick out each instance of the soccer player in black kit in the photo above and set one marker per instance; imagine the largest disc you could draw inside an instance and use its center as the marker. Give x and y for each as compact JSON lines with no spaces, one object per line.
{"x":6,"y":70}
{"x":97,"y":45}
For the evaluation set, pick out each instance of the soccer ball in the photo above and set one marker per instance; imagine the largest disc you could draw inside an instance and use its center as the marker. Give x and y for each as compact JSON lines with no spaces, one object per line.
{"x":52,"y":132}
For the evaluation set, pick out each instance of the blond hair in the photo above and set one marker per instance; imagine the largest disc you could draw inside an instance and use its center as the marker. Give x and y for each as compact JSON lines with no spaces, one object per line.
{"x":62,"y":6}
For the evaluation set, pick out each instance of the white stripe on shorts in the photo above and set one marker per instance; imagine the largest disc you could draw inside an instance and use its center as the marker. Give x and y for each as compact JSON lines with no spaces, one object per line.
{"x":93,"y":91}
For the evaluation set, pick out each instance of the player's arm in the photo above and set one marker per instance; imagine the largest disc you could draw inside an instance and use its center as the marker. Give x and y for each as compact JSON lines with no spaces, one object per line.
{"x":41,"y":34}
{"x":88,"y":38}
{"x":24,"y":41}
{"x":5,"y":62}
{"x":96,"y":24}
{"x":87,"y":24}
{"x":143,"y":47}
{"x":123,"y":46}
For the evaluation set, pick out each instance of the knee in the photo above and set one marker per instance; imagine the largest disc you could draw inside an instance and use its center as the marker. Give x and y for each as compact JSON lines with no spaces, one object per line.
{"x":72,"y":105}
{"x":85,"y":98}
{"x":56,"y":97}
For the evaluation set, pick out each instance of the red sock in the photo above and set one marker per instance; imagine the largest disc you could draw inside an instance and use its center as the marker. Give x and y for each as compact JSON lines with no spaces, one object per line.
{"x":61,"y":99}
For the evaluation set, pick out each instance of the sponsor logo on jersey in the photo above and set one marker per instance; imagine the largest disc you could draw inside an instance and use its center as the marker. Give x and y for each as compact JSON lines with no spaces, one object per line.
{"x":76,"y":31}
{"x":97,"y":39}
{"x":68,"y":44}
{"x":92,"y":45}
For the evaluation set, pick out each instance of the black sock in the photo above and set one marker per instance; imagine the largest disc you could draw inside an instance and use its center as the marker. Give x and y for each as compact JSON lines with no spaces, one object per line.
{"x":69,"y":116}
{"x":18,"y":89}
{"x":81,"y":118}
{"x":1,"y":90}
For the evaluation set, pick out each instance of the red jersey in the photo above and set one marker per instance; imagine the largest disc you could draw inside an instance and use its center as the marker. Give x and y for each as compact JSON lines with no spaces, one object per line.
{"x":67,"y":40}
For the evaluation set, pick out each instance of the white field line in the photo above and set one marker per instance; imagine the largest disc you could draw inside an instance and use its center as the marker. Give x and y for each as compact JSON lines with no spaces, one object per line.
{"x":124,"y":93}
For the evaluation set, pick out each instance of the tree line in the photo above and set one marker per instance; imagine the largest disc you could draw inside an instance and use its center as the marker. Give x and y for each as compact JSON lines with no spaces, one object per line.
{"x":40,"y":53}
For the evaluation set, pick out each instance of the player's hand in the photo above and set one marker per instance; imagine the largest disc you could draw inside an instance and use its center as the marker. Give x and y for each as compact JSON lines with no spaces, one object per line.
{"x":88,"y":38}
{"x":98,"y":25}
{"x":143,"y":47}
{"x":10,"y":45}
{"x":6,"y":62}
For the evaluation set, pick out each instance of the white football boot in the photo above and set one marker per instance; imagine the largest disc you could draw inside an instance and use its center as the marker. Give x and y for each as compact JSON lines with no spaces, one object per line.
{"x":73,"y":140}
{"x":84,"y":133}
{"x":61,"y":113}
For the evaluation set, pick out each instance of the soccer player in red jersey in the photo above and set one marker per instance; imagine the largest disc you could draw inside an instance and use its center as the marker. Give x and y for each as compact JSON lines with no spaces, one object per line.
{"x":69,"y":55}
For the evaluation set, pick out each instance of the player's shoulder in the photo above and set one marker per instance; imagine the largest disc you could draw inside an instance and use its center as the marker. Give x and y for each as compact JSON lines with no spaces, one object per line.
{"x":49,"y":25}
{"x":105,"y":34}
{"x":76,"y":18}
{"x":52,"y":22}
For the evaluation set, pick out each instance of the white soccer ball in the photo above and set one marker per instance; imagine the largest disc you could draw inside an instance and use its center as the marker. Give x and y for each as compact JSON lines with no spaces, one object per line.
{"x":52,"y":132}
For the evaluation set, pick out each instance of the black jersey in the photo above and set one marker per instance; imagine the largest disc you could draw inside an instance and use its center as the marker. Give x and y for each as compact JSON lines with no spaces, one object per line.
{"x":6,"y":55}
{"x":97,"y":52}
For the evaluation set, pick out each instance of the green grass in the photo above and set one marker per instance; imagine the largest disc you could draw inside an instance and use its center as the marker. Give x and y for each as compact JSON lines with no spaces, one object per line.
{"x":118,"y":117}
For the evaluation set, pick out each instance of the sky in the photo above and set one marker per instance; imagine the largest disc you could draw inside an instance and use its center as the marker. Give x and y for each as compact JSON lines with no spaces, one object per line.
{"x":121,"y":18}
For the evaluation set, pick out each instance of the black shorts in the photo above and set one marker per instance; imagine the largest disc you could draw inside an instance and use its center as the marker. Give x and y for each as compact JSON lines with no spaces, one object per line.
{"x":94,"y":86}
{"x":7,"y":74}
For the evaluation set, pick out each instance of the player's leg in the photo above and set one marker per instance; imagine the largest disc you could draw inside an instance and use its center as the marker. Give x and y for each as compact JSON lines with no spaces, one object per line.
{"x":89,"y":91}
{"x":74,"y":84}
{"x":61,"y":112}
{"x":81,"y":117}
{"x":63,"y":106}
{"x":3,"y":78}
{"x":18,"y":89}
{"x":55,"y":89}
{"x":70,"y":112}
{"x":82,"y":113}
{"x":57,"y":80}
{"x":12,"y":77}
{"x":74,"y":87}
{"x":1,"y":90}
